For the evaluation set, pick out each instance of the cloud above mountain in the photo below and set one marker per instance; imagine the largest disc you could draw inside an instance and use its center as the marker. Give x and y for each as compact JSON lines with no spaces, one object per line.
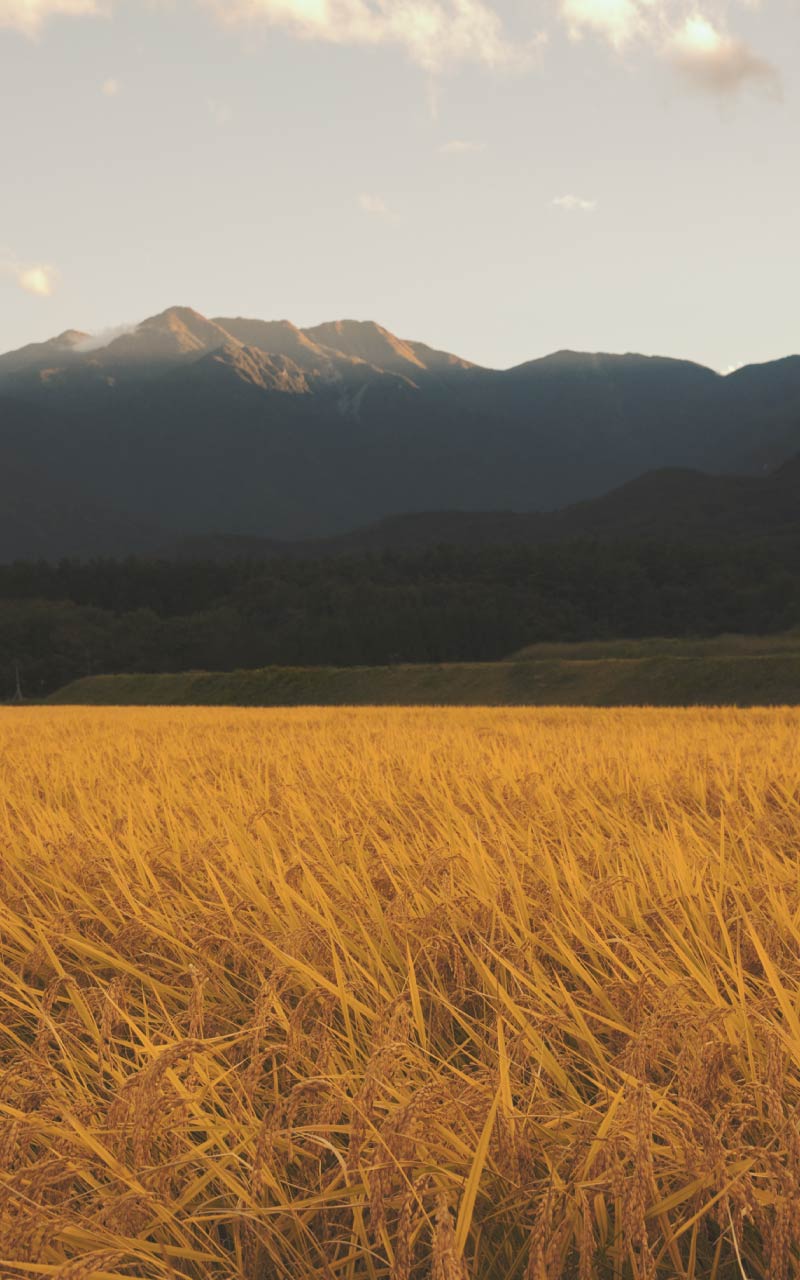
{"x":575,"y":204}
{"x":432,"y":32}
{"x":715,"y":62}
{"x":437,"y":33}
{"x":28,"y":15}
{"x":617,"y":20}
{"x":39,"y":280}
{"x":32,"y":277}
{"x":699,"y":48}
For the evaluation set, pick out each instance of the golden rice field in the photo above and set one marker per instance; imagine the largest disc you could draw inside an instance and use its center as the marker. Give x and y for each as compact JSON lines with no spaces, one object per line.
{"x":360,"y":994}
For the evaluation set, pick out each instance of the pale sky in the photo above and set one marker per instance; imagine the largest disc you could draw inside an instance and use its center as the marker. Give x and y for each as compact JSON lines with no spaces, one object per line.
{"x":501,"y":178}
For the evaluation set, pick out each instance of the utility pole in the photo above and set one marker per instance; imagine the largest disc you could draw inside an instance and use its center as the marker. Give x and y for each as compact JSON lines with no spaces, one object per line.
{"x":18,"y":691}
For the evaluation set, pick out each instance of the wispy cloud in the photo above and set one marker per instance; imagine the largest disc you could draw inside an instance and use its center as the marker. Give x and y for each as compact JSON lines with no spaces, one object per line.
{"x":28,"y":15}
{"x":702,"y":50}
{"x":33,"y":277}
{"x":461,"y":147}
{"x":717,"y":63}
{"x":96,"y":341}
{"x":617,"y":20}
{"x":432,"y":32}
{"x":437,"y":33}
{"x":575,"y":204}
{"x":38,"y":279}
{"x":375,"y":205}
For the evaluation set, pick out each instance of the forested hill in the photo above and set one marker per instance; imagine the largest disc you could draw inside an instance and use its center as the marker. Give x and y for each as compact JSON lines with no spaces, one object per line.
{"x":660,"y":505}
{"x":64,"y":621}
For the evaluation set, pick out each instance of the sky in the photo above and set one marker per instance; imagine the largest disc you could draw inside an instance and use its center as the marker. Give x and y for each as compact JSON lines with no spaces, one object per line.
{"x":499,"y":178}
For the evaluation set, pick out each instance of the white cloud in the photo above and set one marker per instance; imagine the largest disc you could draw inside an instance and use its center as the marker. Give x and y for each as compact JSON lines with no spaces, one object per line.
{"x":96,"y":341}
{"x":28,"y":15}
{"x":715,"y":62}
{"x":699,"y":49}
{"x":34,"y":277}
{"x":575,"y":204}
{"x":37,"y":279}
{"x":374,"y":205}
{"x":617,"y":20}
{"x":461,"y":147}
{"x":433,"y":32}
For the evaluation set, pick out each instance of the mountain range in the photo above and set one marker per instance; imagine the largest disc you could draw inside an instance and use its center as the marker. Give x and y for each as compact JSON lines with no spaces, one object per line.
{"x":184,"y":427}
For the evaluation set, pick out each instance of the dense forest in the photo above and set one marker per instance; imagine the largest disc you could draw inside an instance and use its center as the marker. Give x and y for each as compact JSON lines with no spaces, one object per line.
{"x":61,"y":621}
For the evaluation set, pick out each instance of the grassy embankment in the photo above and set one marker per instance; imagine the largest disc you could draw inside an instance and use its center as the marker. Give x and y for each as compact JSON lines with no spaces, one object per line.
{"x":727,"y":670}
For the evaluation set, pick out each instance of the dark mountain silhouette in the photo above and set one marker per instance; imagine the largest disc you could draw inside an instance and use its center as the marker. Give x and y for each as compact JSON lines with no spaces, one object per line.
{"x":260,"y":429}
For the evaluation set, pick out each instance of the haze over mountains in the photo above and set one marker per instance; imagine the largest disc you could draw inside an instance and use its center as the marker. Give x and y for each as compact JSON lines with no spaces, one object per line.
{"x":192,"y":426}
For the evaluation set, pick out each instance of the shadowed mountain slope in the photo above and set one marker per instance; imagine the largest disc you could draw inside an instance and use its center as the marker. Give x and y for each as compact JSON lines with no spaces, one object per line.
{"x":39,"y":516}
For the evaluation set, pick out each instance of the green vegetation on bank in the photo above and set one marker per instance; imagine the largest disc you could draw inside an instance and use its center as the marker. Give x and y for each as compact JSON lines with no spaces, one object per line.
{"x":447,"y":605}
{"x":719,"y":646}
{"x":728,"y":679}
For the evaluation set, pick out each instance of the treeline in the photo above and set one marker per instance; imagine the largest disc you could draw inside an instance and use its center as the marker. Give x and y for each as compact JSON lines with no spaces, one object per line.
{"x":62,"y":621}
